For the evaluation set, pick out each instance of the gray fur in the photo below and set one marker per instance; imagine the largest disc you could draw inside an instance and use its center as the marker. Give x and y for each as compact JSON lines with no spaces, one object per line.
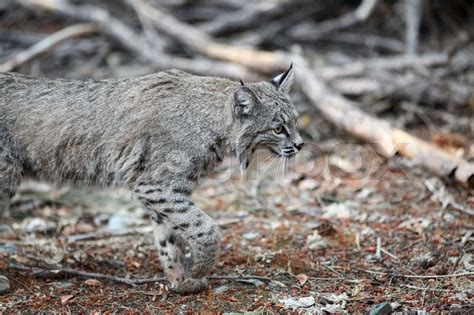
{"x":155,"y":134}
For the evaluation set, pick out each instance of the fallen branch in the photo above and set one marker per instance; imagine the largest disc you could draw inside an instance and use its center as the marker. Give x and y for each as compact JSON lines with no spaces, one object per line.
{"x":389,"y":140}
{"x":369,"y":40}
{"x":397,"y":62}
{"x":46,"y":44}
{"x":311,"y":31}
{"x":65,"y":272}
{"x":129,"y":39}
{"x":261,"y":61}
{"x":248,"y":15}
{"x":453,"y":275}
{"x":105,"y":234}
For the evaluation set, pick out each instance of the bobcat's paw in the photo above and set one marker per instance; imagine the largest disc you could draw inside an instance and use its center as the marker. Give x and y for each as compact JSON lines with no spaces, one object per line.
{"x":189,"y":285}
{"x":204,"y":253}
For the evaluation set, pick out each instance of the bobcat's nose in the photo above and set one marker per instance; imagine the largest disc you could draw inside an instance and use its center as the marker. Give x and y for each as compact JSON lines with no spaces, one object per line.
{"x":299,"y":145}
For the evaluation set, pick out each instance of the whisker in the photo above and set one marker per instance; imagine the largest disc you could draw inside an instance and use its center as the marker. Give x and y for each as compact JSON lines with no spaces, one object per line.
{"x":280,"y":168}
{"x":277,"y":169}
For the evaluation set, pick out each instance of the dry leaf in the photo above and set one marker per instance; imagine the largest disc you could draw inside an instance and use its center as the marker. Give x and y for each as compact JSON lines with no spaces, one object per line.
{"x":66,"y":298}
{"x":136,"y":264}
{"x":93,"y":282}
{"x":302,"y":278}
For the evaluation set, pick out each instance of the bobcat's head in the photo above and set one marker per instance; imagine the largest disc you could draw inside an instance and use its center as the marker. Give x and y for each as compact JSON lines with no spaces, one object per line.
{"x":264,"y":116}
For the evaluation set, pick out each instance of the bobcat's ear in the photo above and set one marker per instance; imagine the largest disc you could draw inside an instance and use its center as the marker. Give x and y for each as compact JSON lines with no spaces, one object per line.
{"x":244,"y":100}
{"x":284,"y":81}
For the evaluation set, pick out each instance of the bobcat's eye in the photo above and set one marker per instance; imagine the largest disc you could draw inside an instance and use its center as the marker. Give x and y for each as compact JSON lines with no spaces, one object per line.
{"x":278,"y":129}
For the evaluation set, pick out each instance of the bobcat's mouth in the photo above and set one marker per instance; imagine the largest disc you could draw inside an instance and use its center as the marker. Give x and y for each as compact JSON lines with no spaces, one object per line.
{"x":285,"y":152}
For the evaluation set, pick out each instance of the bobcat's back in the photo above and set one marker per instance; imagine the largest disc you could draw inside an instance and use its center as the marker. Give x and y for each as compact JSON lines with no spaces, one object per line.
{"x":107,"y":131}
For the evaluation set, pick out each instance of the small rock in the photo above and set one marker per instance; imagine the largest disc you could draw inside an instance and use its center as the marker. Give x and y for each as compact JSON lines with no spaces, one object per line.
{"x":6,"y":231}
{"x":37,"y":225}
{"x":221,"y":289}
{"x":381,"y":309}
{"x":254,"y":282}
{"x":308,"y":184}
{"x":338,"y":211}
{"x":117,"y":223}
{"x":63,"y":284}
{"x":296,"y":303}
{"x":315,"y":241}
{"x":250,"y":235}
{"x":4,"y":285}
{"x":8,"y":248}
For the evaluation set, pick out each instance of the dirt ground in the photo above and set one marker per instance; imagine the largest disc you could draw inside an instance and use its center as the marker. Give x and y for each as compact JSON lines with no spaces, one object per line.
{"x":342,"y":231}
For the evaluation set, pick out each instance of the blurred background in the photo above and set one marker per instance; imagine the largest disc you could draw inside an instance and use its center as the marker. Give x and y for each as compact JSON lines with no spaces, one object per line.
{"x":354,"y":223}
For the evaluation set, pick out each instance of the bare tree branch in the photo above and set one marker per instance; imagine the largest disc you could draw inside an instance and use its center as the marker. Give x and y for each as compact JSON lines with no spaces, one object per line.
{"x":135,"y":43}
{"x":314,"y":31}
{"x":412,"y":11}
{"x":261,"y":61}
{"x":46,"y":44}
{"x":389,"y":140}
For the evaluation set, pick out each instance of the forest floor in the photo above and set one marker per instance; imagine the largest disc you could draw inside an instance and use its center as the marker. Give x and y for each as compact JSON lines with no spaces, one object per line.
{"x":338,"y":232}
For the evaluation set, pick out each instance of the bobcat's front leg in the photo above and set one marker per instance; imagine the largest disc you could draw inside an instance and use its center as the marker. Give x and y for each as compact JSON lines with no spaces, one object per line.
{"x":179,"y":224}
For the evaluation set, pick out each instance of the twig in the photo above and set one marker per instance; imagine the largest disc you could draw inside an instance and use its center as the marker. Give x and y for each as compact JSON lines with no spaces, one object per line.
{"x":412,"y":10}
{"x":425,"y":289}
{"x":248,"y":15}
{"x":63,"y":272}
{"x":47,"y":44}
{"x":378,"y":252}
{"x":20,"y":37}
{"x":369,"y":40}
{"x":396,"y":62}
{"x":105,"y":234}
{"x":238,"y":278}
{"x":53,"y":273}
{"x":463,"y":274}
{"x":386,"y":252}
{"x":316,"y":31}
{"x":262,"y":61}
{"x":154,"y":39}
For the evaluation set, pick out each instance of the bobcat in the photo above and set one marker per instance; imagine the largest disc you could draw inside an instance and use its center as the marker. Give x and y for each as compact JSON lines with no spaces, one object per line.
{"x":155,"y":135}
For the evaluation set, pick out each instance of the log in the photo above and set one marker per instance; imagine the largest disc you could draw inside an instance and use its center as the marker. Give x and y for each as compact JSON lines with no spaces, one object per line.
{"x":389,"y":140}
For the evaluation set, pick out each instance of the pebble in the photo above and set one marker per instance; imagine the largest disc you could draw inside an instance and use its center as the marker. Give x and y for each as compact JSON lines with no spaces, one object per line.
{"x":381,"y":309}
{"x":63,"y":284}
{"x":4,"y":285}
{"x":37,"y":225}
{"x":8,"y":248}
{"x":221,"y":289}
{"x":6,"y":231}
{"x":250,"y":235}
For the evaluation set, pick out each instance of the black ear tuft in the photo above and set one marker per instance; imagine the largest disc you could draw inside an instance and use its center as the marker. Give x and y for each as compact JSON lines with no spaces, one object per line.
{"x":284,"y":80}
{"x":241,"y":82}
